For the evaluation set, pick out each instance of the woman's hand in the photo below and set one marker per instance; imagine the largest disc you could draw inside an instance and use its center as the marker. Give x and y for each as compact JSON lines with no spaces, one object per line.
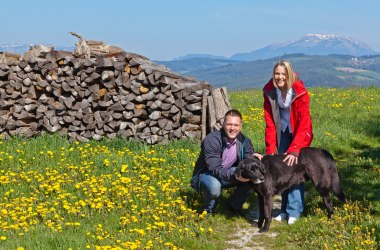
{"x":257,"y":155}
{"x":291,"y":159}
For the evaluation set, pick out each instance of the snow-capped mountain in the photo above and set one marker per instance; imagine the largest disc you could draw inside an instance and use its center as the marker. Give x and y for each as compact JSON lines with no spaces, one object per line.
{"x":311,"y":44}
{"x":21,"y":48}
{"x":15,"y":48}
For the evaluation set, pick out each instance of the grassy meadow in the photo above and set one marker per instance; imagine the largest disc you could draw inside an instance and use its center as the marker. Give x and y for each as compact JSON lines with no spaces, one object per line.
{"x":119,"y":194}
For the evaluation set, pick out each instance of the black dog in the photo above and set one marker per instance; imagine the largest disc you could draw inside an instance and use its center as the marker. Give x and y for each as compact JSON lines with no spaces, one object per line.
{"x":272,"y":176}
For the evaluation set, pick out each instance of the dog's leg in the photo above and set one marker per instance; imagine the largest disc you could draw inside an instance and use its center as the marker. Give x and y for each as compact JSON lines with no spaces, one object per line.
{"x":268,"y":205}
{"x":261,"y":211}
{"x":324,"y":192}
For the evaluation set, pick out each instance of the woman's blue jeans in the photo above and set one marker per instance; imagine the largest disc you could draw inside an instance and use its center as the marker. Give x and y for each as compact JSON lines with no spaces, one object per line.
{"x":211,"y":187}
{"x":293,"y":201}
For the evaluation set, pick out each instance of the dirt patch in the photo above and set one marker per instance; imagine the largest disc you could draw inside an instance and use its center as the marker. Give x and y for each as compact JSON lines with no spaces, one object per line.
{"x":350,"y":70}
{"x":245,"y":238}
{"x":246,"y":235}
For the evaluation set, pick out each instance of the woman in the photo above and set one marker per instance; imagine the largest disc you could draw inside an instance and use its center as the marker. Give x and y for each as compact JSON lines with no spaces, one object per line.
{"x":288,"y":129}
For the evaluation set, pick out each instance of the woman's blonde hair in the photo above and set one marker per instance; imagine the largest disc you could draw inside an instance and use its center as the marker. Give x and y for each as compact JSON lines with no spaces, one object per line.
{"x":291,"y":76}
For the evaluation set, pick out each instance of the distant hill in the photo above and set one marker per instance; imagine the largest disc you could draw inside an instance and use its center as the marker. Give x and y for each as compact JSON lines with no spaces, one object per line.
{"x":326,"y":71}
{"x":190,"y":56}
{"x":196,"y":64}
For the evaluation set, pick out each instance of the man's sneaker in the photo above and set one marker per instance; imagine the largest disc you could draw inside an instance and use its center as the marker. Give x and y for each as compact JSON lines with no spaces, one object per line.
{"x":281,"y":217}
{"x":291,"y":220}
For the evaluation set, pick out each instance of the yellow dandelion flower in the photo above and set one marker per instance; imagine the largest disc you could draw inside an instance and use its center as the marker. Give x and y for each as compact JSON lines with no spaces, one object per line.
{"x":203,"y":214}
{"x":124,"y":168}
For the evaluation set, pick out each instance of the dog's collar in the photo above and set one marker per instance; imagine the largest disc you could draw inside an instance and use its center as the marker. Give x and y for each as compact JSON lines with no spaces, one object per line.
{"x":258,"y":181}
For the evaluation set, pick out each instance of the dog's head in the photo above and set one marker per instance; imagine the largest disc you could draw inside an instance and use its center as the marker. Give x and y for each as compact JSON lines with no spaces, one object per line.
{"x":251,"y":168}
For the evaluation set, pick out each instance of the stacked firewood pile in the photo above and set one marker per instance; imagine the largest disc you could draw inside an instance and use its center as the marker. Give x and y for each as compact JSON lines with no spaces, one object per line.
{"x":103,"y":93}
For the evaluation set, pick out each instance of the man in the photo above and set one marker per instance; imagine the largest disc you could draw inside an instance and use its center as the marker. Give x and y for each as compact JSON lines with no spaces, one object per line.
{"x":214,"y":170}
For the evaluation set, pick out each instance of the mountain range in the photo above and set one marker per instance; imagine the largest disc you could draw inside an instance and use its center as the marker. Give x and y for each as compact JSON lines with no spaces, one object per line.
{"x":320,"y":60}
{"x":311,"y":44}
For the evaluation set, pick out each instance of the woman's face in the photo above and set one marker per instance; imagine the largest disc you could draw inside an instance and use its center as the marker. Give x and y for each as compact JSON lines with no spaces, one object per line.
{"x":280,"y":77}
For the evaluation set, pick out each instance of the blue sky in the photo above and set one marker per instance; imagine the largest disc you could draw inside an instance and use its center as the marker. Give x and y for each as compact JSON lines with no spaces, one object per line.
{"x":166,"y":29}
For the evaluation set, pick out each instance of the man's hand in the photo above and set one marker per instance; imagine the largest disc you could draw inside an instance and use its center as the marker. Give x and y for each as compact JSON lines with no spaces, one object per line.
{"x":291,"y":159}
{"x":257,"y":155}
{"x":242,"y":179}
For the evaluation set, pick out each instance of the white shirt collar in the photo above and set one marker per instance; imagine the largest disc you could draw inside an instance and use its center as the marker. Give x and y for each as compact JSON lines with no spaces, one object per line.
{"x":288,"y":99}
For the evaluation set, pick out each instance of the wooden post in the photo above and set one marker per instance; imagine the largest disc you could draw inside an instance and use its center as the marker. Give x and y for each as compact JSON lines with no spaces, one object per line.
{"x":204,"y":111}
{"x":211,"y":113}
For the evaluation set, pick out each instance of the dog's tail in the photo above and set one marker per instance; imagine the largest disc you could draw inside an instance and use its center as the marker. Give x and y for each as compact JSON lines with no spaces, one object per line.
{"x":335,"y":182}
{"x":336,"y":188}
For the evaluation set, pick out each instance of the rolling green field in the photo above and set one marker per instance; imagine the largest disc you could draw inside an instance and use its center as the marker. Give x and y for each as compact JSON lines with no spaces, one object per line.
{"x":118,"y":194}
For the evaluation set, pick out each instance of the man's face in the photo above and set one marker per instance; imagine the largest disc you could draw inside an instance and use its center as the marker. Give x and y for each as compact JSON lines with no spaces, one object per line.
{"x":232,"y":126}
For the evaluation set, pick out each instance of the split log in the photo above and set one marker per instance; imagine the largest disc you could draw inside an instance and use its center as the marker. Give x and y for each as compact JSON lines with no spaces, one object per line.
{"x":82,"y":49}
{"x":220,"y":97}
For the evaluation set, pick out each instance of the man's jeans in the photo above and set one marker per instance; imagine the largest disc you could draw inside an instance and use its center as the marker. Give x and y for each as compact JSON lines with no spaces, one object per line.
{"x":292,"y":202}
{"x":211,"y":188}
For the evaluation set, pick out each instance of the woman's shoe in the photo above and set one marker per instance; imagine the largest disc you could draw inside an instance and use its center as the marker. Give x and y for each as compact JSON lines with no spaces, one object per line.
{"x":281,"y":217}
{"x":291,"y":220}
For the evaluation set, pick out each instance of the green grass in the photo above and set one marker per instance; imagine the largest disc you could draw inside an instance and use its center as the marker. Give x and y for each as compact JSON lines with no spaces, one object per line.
{"x":345,"y":122}
{"x":121,"y":194}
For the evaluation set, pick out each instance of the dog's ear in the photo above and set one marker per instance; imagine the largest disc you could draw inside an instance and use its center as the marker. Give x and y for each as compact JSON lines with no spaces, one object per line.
{"x":237,"y":173}
{"x":238,"y":170}
{"x":262,"y":168}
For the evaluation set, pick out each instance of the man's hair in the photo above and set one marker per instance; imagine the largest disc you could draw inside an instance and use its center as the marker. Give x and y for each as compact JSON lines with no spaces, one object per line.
{"x":233,"y":112}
